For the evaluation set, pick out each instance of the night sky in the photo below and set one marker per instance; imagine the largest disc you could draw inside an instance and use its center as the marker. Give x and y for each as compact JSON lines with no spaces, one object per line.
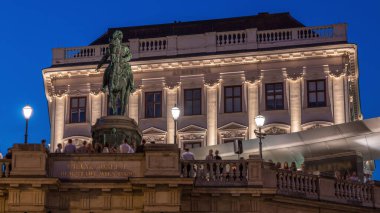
{"x":30,"y":29}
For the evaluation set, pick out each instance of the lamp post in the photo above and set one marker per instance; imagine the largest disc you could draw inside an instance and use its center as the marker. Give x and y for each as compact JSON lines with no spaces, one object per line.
{"x":175,"y":113}
{"x":27,"y":111}
{"x":259,"y":120}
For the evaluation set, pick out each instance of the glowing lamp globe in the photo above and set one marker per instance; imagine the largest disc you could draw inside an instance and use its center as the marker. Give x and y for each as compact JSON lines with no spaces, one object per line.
{"x":175,"y":112}
{"x":259,"y":121}
{"x":27,"y":111}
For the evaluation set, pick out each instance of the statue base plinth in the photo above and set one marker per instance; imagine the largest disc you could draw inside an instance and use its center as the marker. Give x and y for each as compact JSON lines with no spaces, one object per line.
{"x":115,"y":129}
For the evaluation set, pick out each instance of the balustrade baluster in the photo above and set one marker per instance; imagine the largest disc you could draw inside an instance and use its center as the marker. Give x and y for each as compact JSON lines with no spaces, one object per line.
{"x":337,"y":189}
{"x":367,"y":193}
{"x":302,"y":185}
{"x":293,"y":181}
{"x":278,"y":177}
{"x":313,"y":186}
{"x":191,"y":170}
{"x":360,"y":193}
{"x":282,"y":177}
{"x":347,"y":191}
{"x":7,"y":168}
{"x":3,"y":170}
{"x":289,"y":181}
{"x":234,"y":172}
{"x":355,"y":189}
{"x":217,"y":171}
{"x":285,"y":180}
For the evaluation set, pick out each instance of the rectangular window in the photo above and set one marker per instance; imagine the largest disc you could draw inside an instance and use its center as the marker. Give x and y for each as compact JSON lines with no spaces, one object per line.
{"x":316,"y":93}
{"x":78,"y":110}
{"x":274,"y":96}
{"x":153,"y":103}
{"x":232,"y":99}
{"x":192,"y":101}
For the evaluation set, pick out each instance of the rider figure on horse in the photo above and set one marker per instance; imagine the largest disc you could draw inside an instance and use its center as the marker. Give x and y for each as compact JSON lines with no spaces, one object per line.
{"x":118,"y":76}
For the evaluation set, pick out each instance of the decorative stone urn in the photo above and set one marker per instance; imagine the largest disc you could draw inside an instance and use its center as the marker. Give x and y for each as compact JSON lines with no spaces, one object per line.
{"x":115,"y":129}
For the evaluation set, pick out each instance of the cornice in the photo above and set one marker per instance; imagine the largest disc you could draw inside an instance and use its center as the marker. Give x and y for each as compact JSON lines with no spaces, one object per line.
{"x":258,"y":57}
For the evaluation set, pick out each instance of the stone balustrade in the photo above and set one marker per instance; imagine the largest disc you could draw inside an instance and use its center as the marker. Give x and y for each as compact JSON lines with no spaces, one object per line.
{"x":157,"y":44}
{"x":162,"y":161}
{"x":354,"y":192}
{"x":289,"y":183}
{"x":249,"y":39}
{"x":231,"y":38}
{"x":315,"y":187}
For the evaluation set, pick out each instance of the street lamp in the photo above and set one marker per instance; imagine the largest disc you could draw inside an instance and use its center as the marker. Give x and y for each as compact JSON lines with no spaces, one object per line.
{"x":259,"y":120}
{"x":27,"y":111}
{"x":175,"y":113}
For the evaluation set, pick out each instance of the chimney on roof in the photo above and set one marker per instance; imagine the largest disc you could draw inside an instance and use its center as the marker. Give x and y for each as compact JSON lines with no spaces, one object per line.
{"x":263,"y":13}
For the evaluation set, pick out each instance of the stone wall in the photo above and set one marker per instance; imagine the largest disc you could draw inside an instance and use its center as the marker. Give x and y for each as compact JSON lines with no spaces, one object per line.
{"x":157,"y":184}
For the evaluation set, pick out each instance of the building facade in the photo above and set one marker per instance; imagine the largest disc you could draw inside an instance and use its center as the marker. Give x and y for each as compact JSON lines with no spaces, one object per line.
{"x":220,"y":73}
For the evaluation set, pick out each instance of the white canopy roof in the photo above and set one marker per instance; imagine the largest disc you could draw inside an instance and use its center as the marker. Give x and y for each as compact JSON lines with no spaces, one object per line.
{"x":362,"y":136}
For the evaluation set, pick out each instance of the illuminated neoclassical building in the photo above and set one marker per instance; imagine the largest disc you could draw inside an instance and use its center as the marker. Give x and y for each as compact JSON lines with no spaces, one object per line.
{"x":221,"y":74}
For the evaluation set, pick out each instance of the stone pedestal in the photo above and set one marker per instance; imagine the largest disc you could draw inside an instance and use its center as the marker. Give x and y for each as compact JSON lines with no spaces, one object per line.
{"x":162,"y":160}
{"x":114,"y":129}
{"x":28,"y":160}
{"x":255,"y":177}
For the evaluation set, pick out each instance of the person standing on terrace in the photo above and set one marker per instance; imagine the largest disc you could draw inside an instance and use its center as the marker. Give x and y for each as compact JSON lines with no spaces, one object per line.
{"x":70,"y":148}
{"x":210,"y":155}
{"x":59,"y":148}
{"x":83,"y":148}
{"x":187,"y":155}
{"x":141,"y":148}
{"x":126,"y":148}
{"x":217,"y":156}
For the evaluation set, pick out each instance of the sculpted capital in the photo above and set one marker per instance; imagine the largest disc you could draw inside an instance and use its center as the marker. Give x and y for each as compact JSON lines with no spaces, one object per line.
{"x":294,"y":74}
{"x":337,"y":70}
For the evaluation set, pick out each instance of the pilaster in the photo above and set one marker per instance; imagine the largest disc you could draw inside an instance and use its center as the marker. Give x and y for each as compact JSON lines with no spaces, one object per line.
{"x":133,"y":106}
{"x":171,"y":101}
{"x":96,"y":106}
{"x":337,"y":76}
{"x":59,"y":119}
{"x":294,"y":77}
{"x":253,"y":107}
{"x":212,"y":112}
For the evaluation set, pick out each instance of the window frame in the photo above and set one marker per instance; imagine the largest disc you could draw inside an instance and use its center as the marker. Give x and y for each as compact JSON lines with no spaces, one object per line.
{"x":154,"y":103}
{"x":316,"y":92}
{"x":274,"y":94}
{"x":192,"y":101}
{"x":78,"y":108}
{"x":233,"y":98}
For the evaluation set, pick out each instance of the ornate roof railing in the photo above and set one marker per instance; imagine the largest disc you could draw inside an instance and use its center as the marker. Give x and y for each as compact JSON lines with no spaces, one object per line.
{"x":211,"y":42}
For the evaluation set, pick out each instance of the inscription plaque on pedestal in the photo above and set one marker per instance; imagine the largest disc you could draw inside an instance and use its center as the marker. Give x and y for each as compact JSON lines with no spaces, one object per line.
{"x":88,"y":169}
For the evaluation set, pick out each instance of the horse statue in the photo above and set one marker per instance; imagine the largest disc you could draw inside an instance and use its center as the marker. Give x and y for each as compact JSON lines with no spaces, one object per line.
{"x":118,"y":76}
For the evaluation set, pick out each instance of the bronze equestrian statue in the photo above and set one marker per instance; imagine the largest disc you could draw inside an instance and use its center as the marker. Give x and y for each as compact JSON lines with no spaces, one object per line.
{"x":118,"y":76}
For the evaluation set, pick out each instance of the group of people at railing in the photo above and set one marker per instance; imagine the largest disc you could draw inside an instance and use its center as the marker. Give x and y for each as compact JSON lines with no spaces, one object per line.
{"x":187,"y":155}
{"x":352,"y":177}
{"x":345,"y":175}
{"x":213,"y":170}
{"x":292,"y":167}
{"x":88,"y":148}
